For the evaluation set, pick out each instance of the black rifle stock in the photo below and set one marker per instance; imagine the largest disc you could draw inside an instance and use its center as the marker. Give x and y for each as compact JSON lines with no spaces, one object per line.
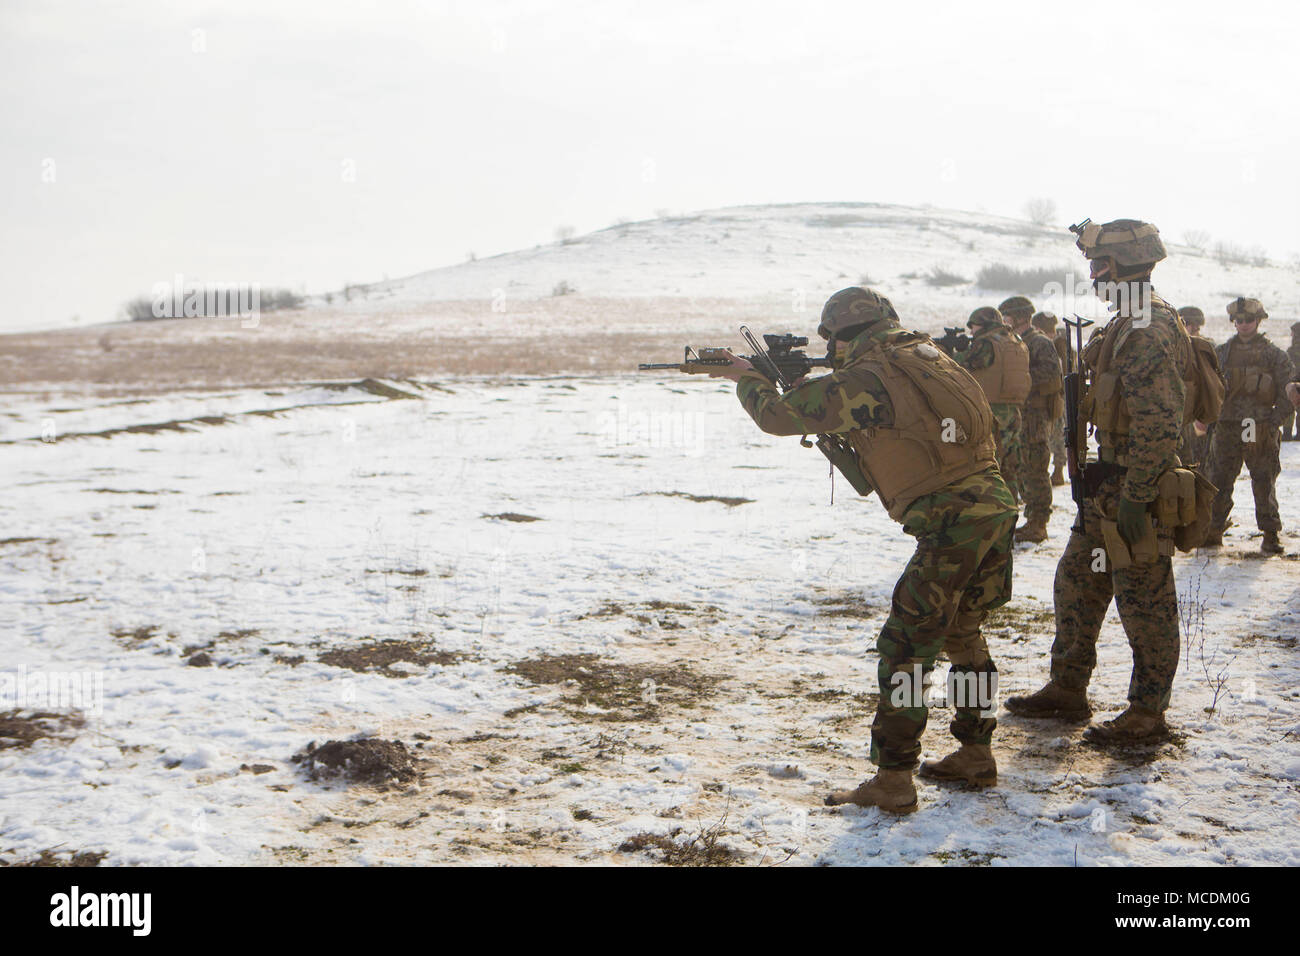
{"x":1073,"y":394}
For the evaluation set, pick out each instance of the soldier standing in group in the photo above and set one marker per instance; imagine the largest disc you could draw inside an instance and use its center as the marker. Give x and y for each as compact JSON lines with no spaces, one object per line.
{"x":1290,"y":427}
{"x":1257,"y":372}
{"x":1045,"y":322}
{"x":999,"y":361}
{"x":1137,"y":363}
{"x":1043,"y":407}
{"x":1194,"y":445}
{"x":1194,"y":319}
{"x":921,"y":430}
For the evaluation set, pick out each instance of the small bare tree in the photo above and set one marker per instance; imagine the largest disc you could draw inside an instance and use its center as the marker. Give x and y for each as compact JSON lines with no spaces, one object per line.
{"x":1041,"y":212}
{"x":1198,"y":239}
{"x":565,"y":233}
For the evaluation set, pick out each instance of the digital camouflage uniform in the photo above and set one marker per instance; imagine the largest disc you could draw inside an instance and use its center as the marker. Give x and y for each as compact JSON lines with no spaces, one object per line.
{"x":1056,"y":434}
{"x":1040,"y":413}
{"x":1290,"y":431}
{"x":1149,"y":364}
{"x":1248,"y":430}
{"x":962,"y":565}
{"x":1007,"y":417}
{"x":1194,"y":449}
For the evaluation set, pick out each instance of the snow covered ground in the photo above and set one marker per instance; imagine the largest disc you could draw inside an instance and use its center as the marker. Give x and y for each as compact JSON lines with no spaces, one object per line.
{"x":727,"y":675}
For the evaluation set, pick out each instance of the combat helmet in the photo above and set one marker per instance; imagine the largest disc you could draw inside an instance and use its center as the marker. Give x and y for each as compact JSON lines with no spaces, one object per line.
{"x":1015,"y":306}
{"x":1134,"y":245}
{"x":1192,"y":316}
{"x":984,"y":317}
{"x":849,"y":311}
{"x":1247,"y":308}
{"x":1044,"y":322}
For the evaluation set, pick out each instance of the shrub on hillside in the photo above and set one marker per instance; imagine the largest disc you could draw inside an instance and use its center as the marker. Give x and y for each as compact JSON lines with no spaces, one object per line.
{"x":940,"y":276}
{"x":1005,"y":278}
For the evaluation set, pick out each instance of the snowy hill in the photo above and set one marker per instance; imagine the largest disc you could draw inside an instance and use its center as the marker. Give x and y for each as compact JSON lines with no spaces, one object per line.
{"x":803,"y":252}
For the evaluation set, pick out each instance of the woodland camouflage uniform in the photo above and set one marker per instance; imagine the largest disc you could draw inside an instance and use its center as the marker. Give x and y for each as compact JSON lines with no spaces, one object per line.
{"x":1248,"y":430}
{"x":961,"y":569}
{"x":1137,"y":365}
{"x":1041,"y":410}
{"x":986,"y":361}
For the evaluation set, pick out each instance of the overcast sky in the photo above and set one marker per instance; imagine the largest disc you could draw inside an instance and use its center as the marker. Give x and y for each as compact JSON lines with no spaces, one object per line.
{"x":315,"y":143}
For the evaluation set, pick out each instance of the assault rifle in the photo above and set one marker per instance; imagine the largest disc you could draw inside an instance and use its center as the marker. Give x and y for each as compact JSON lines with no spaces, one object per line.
{"x":784,"y":352}
{"x":953,"y":340}
{"x":1073,"y":395}
{"x":783,"y":362}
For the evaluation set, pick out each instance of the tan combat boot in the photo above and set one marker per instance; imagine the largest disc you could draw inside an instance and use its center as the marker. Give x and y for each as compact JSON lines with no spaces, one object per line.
{"x":890,"y":790}
{"x":1270,"y":544}
{"x":971,"y":763}
{"x":1135,"y":724}
{"x":1058,"y":476}
{"x":1032,"y":531}
{"x":1052,"y":701}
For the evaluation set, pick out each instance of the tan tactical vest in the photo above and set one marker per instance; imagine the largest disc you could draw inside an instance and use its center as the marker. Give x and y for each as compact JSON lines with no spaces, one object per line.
{"x":1247,"y":376}
{"x":1006,"y":381}
{"x":942,"y":429}
{"x":1104,"y":405}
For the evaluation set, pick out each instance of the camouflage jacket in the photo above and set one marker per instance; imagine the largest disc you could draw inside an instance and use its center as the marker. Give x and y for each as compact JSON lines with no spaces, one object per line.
{"x":1149,"y":361}
{"x":1293,"y":353}
{"x":1259,"y":352}
{"x":1044,"y":363}
{"x":820,"y":406}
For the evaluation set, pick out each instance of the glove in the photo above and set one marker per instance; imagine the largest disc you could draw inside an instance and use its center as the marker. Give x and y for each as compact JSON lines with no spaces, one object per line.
{"x":1131,"y":520}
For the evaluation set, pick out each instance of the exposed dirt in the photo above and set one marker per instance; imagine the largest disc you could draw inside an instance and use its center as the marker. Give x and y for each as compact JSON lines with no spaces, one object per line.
{"x":512,"y":516}
{"x":365,"y":761}
{"x":57,"y":857}
{"x":619,"y":691}
{"x":19,"y":730}
{"x":729,"y":502}
{"x":702,"y":849}
{"x":380,"y":656}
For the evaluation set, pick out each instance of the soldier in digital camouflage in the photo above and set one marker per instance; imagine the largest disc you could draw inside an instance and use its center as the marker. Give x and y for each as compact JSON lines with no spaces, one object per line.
{"x":1137,"y":365}
{"x":1290,"y":425}
{"x":1194,"y":446}
{"x":999,"y":361}
{"x":1248,"y":430}
{"x":1046,"y":323}
{"x":1043,"y":407}
{"x":921,"y":431}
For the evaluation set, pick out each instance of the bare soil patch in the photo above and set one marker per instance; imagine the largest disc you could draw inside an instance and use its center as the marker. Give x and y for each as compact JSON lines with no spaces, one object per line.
{"x":19,"y":730}
{"x":729,"y":502}
{"x":365,"y":761}
{"x":380,"y":656}
{"x":58,"y":857}
{"x":620,"y":691}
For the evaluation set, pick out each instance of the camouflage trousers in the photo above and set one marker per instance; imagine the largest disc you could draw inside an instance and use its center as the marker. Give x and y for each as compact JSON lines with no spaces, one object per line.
{"x":961,"y":570}
{"x":1289,"y":430}
{"x":1006,"y":435}
{"x":1262,"y":457}
{"x":1193,"y":449}
{"x":1144,"y":595}
{"x":1056,"y":440}
{"x":1036,"y":466}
